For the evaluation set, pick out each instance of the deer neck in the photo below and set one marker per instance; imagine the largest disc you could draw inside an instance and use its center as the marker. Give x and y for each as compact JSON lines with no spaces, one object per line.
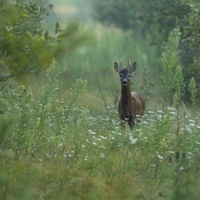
{"x":126,"y":94}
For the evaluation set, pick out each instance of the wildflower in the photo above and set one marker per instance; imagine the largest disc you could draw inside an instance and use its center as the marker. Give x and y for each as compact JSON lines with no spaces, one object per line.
{"x":151,"y":112}
{"x":170,"y":108}
{"x":160,"y":111}
{"x":132,"y":140}
{"x":91,"y":132}
{"x":86,"y":158}
{"x":160,"y":157}
{"x":181,"y":168}
{"x":61,"y":144}
{"x":103,"y":137}
{"x":191,"y":124}
{"x":173,"y":113}
{"x":38,"y":121}
{"x":102,"y":155}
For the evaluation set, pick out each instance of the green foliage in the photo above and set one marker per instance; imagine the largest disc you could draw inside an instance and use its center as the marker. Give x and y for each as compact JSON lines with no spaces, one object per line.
{"x":56,"y":149}
{"x":193,"y":93}
{"x":190,"y":43}
{"x":179,"y":88}
{"x":170,"y":62}
{"x":143,"y":16}
{"x":160,"y":16}
{"x":95,"y":61}
{"x":25,"y":46}
{"x":116,"y":12}
{"x":57,"y":141}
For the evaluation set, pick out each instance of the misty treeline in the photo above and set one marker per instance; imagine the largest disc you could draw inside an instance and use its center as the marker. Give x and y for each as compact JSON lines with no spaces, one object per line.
{"x":157,"y":19}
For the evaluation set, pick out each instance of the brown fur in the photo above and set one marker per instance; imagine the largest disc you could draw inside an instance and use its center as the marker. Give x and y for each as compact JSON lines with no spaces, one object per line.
{"x":131,"y":105}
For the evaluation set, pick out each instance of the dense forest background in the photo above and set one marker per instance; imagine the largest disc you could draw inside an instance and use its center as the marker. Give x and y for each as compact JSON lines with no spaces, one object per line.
{"x":60,"y":135}
{"x":156,"y":20}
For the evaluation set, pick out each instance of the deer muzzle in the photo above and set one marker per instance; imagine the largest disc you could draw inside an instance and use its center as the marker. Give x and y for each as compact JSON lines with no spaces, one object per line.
{"x":124,"y":82}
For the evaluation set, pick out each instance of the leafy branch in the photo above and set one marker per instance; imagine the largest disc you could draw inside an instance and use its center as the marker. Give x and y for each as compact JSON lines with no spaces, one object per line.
{"x":25,"y":47}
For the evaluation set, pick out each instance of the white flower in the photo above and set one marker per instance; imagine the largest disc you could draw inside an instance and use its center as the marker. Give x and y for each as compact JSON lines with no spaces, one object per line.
{"x":170,"y":108}
{"x":91,"y":132}
{"x":160,"y":157}
{"x":103,"y":137}
{"x":192,"y":121}
{"x":132,"y":140}
{"x":102,"y":155}
{"x":192,"y":124}
{"x":94,"y":143}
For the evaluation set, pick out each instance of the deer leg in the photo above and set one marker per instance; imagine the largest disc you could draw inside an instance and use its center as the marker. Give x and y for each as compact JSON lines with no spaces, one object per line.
{"x":139,"y":118}
{"x":123,"y":124}
{"x":131,"y":123}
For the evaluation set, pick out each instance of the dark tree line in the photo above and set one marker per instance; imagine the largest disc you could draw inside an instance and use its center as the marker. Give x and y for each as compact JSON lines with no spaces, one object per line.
{"x":158,"y":18}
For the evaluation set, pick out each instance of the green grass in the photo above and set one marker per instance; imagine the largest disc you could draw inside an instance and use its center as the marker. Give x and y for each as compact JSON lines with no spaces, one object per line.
{"x":56,"y":150}
{"x":60,"y":137}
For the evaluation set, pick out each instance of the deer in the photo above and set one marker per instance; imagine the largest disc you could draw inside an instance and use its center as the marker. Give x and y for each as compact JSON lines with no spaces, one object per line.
{"x":131,"y":105}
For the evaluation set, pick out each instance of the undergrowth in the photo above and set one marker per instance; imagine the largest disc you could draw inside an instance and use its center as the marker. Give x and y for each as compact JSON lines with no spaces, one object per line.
{"x":53,"y":146}
{"x":55,"y":149}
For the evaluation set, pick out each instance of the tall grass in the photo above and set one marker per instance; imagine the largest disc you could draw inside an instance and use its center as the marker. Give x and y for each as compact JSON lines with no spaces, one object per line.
{"x":56,"y":149}
{"x":66,"y":141}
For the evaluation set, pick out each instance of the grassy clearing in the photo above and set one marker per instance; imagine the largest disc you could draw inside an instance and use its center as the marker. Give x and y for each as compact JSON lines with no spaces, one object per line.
{"x":95,"y":62}
{"x":54,"y":149}
{"x":61,"y":137}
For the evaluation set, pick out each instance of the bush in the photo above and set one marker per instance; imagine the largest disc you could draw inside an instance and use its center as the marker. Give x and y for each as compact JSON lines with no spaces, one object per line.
{"x":25,"y":47}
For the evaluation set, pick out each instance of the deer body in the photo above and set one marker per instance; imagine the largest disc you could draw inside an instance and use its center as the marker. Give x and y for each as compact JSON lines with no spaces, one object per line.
{"x":131,"y":105}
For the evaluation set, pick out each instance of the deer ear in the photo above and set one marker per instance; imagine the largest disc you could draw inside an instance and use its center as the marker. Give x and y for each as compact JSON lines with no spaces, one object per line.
{"x":132,"y":67}
{"x":117,"y":67}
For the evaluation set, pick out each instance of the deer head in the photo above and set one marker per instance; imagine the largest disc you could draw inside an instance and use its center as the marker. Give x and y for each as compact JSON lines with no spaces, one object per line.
{"x":125,"y":73}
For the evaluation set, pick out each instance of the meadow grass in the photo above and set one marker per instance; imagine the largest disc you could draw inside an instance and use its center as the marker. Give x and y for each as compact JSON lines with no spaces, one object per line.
{"x":95,"y":63}
{"x":58,"y":150}
{"x":61,"y":139}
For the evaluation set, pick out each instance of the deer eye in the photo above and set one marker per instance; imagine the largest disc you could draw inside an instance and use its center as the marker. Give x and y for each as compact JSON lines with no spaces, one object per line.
{"x":120,"y":75}
{"x":129,"y":75}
